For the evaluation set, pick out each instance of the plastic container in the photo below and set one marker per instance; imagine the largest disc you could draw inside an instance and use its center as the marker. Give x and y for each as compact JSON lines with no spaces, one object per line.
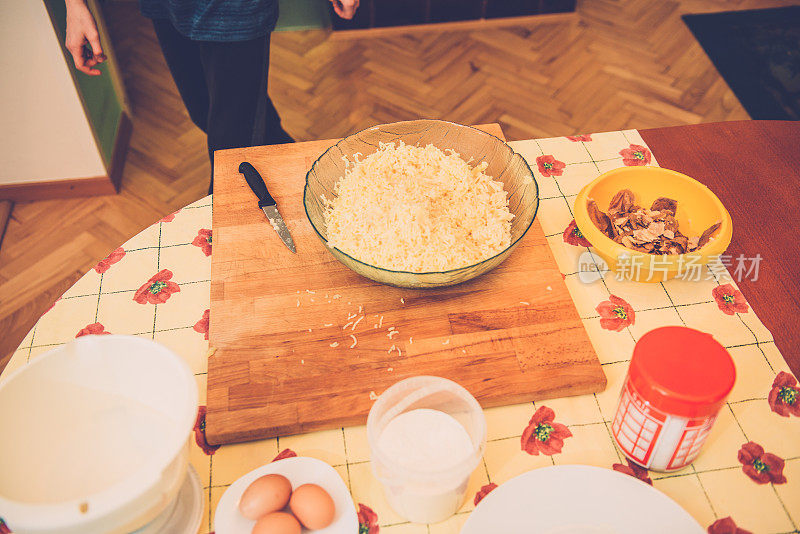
{"x":677,"y":382}
{"x":96,"y":436}
{"x":426,"y":493}
{"x":698,"y":208}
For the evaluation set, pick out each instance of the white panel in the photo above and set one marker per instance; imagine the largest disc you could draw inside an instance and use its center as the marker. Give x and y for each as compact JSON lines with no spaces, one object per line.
{"x":44,"y":134}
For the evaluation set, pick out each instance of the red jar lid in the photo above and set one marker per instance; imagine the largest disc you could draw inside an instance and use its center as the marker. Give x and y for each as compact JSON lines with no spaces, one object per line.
{"x":682,"y":371}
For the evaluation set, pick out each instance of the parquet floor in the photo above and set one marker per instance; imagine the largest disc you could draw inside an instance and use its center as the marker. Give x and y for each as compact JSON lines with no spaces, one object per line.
{"x":614,"y":64}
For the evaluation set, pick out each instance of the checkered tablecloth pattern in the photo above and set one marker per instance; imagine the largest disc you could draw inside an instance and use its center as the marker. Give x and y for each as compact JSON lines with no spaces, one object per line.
{"x":157,"y":285}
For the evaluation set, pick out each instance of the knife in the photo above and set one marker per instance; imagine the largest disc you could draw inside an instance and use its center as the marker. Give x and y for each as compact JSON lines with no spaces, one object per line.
{"x":267,"y":203}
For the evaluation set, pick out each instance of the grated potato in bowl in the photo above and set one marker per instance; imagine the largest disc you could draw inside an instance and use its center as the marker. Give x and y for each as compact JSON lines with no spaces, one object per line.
{"x":447,"y":184}
{"x":417,"y":209}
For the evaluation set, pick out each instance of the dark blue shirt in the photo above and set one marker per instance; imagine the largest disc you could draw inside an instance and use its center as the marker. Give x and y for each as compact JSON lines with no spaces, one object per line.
{"x":215,"y":20}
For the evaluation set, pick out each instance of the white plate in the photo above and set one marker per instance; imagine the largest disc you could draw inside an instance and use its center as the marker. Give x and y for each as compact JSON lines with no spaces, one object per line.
{"x":573,"y":499}
{"x":185,"y":514}
{"x":299,"y":470}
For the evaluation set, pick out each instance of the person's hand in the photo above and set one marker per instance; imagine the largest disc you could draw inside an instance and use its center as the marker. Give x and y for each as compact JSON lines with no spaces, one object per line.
{"x":81,"y":28}
{"x":345,"y":8}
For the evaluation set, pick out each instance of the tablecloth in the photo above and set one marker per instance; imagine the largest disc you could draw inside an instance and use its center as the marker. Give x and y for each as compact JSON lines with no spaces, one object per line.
{"x":156,"y":285}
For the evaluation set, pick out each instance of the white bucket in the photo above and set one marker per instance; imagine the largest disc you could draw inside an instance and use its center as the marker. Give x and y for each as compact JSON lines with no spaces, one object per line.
{"x":95,"y":436}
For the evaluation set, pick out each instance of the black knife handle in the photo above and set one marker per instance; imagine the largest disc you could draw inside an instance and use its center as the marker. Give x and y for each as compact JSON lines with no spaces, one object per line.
{"x":257,"y":185}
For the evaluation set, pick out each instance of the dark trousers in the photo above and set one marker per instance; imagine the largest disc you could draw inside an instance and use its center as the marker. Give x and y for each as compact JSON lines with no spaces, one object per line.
{"x":224,"y":88}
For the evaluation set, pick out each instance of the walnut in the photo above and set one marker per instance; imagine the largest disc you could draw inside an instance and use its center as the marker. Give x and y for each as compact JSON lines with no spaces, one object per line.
{"x":653,"y":230}
{"x":600,"y":219}
{"x":622,"y":202}
{"x":706,"y":236}
{"x":665,"y":204}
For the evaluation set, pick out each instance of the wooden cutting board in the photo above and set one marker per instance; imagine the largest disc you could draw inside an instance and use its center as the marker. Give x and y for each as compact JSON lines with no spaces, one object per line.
{"x":281,"y":323}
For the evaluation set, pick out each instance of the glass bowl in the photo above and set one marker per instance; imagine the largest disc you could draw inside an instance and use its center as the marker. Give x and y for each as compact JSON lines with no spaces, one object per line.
{"x":504,"y":165}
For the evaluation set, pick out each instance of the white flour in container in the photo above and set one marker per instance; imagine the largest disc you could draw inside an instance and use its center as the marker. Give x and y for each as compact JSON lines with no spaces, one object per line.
{"x":427,"y":441}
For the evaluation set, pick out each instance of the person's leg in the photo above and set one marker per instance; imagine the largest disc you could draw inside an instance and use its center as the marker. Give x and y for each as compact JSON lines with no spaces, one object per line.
{"x":267,"y":129}
{"x":240,"y":111}
{"x":183,"y":59}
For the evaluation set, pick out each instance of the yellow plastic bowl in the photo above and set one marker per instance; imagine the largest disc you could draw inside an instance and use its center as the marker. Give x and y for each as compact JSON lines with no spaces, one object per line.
{"x":698,"y":208}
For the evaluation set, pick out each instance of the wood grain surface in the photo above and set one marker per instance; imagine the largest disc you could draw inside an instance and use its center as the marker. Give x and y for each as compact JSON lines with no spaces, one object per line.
{"x":281,"y":323}
{"x":754,"y":169}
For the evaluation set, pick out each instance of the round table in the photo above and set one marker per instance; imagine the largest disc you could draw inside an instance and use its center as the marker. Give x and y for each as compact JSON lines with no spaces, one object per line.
{"x":156,"y":285}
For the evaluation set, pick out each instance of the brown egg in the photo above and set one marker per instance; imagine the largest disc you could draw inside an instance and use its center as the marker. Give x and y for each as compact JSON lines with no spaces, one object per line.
{"x":264,"y":495}
{"x":277,"y":523}
{"x":312,"y":506}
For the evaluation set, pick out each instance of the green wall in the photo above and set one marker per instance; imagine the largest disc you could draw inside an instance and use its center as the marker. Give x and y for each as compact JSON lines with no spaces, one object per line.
{"x":100,"y":100}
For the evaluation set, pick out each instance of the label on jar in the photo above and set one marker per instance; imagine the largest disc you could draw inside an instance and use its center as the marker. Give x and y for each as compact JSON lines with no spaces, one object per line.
{"x":654,"y":439}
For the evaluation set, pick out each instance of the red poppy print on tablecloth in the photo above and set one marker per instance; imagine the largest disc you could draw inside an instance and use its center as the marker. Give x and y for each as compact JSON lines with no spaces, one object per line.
{"x":634,"y":470}
{"x":285,"y":453}
{"x":169,"y":218}
{"x":200,"y":432}
{"x":94,"y":329}
{"x":367,"y":520}
{"x":579,"y":138}
{"x":784,"y":397}
{"x":158,"y":289}
{"x":729,"y":299}
{"x":573,"y":236}
{"x":543,"y":434}
{"x":203,"y":240}
{"x":201,"y":326}
{"x":726,"y":526}
{"x":615,"y":314}
{"x":635,"y":156}
{"x":762,"y":467}
{"x":550,"y":166}
{"x":483,"y":492}
{"x":104,"y":264}
{"x":3,"y":527}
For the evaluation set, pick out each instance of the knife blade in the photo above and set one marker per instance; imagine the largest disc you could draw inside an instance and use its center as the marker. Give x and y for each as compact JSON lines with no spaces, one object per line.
{"x":267,"y":203}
